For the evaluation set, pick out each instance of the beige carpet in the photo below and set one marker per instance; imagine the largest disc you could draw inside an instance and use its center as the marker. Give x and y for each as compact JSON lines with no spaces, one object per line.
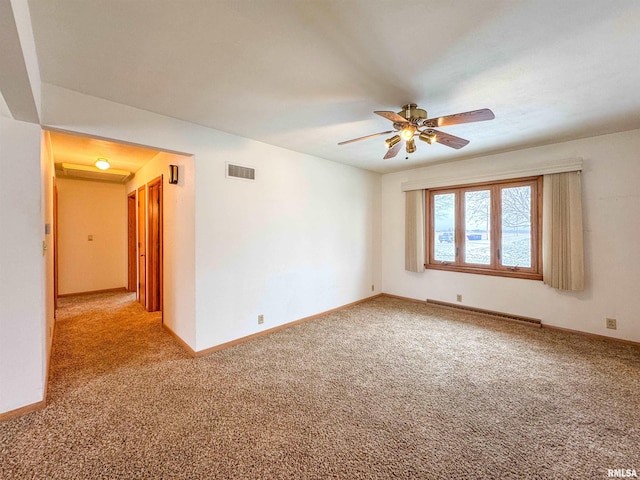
{"x":385,"y":389}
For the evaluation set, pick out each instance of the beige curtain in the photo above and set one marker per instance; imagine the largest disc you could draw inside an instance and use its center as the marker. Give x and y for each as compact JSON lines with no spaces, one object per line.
{"x":562,"y":252}
{"x":414,"y":231}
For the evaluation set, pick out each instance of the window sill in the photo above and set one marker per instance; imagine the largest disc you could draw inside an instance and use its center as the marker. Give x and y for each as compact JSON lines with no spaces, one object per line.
{"x":486,"y":271}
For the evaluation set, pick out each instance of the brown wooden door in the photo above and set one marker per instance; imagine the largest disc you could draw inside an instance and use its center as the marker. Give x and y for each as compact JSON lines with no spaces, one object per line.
{"x":142,"y":247}
{"x":154,"y":246}
{"x":132,"y":261}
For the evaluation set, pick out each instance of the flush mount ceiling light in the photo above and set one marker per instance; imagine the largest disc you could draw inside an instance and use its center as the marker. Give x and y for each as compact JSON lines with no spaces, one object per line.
{"x":103,"y":164}
{"x":412,"y":121}
{"x":91,"y":172}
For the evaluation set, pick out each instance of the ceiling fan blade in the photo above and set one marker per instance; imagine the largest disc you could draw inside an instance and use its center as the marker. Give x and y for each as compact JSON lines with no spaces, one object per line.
{"x":449,"y":140}
{"x":393,"y":151}
{"x":365,"y":137}
{"x":393,"y":116}
{"x":458,"y":118}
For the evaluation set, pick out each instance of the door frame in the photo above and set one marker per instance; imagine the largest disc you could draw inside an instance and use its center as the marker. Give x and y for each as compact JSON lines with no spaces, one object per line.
{"x":132,"y":263}
{"x":142,"y":246}
{"x":155,"y":253}
{"x":55,"y":247}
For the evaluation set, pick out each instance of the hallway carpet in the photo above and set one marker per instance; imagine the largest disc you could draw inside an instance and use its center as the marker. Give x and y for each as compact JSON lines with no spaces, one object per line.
{"x":384,"y":389}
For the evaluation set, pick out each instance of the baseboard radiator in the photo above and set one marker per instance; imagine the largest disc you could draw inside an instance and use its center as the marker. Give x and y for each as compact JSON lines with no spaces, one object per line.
{"x":534,"y":322}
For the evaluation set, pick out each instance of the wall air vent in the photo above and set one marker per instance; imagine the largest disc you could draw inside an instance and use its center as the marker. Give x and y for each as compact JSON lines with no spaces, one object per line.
{"x":240,"y":171}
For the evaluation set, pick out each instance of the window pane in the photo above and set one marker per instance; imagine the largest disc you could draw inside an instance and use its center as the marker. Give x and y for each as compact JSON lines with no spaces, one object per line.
{"x":444,"y":219}
{"x":516,"y":227}
{"x":477,"y":225}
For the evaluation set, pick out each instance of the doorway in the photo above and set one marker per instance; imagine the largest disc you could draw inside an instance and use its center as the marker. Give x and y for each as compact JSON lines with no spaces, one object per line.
{"x":149,"y":246}
{"x":154,"y":250}
{"x":132,"y":267}
{"x":142,"y":246}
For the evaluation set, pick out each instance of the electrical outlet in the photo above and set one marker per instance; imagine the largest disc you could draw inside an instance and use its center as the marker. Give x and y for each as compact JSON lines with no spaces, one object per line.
{"x":260,"y":319}
{"x":459,"y":297}
{"x":611,"y":323}
{"x":373,"y":288}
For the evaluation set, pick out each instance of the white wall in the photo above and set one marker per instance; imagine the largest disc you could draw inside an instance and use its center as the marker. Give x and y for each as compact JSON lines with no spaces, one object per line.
{"x":178,"y":239}
{"x":611,"y":197}
{"x":301,"y":239}
{"x":298,"y":241}
{"x":98,"y":209}
{"x":22,"y":267}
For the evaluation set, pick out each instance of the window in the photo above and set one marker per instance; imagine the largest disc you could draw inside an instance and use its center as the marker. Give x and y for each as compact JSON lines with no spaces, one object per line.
{"x":490,"y":228}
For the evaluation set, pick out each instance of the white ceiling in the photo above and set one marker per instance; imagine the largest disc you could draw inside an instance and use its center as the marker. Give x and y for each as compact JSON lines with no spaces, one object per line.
{"x":305,"y":75}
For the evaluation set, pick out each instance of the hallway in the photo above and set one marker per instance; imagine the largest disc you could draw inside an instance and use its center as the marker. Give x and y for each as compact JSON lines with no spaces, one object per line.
{"x":104,"y":385}
{"x":99,"y":334}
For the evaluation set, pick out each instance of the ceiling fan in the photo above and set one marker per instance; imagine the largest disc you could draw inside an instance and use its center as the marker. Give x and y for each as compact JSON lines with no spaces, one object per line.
{"x":412,"y":121}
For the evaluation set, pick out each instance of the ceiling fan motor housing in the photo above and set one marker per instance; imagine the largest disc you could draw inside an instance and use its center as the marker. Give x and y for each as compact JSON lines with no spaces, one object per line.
{"x":412,"y":113}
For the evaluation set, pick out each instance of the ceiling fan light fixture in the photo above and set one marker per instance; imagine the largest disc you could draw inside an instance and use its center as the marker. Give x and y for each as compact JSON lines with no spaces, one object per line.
{"x":392,"y":141}
{"x":103,"y":164}
{"x":428,"y":137}
{"x":412,"y":121}
{"x":408,"y":132}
